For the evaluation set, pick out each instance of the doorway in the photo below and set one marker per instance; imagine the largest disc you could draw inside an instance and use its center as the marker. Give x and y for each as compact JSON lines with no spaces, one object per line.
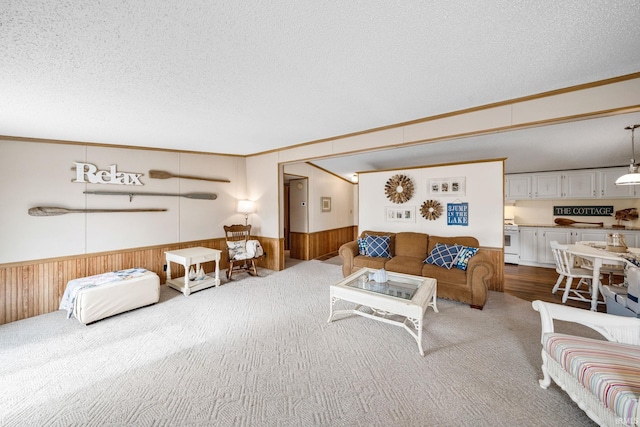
{"x":296,"y":215}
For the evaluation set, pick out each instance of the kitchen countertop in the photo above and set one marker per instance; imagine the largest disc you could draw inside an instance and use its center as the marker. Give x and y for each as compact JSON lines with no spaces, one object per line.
{"x":582,"y":226}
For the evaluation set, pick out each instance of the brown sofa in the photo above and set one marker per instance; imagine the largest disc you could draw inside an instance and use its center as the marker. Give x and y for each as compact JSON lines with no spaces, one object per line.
{"x":408,"y":252}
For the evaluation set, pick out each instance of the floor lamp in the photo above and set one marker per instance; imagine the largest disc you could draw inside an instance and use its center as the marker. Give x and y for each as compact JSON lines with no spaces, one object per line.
{"x":246,"y":207}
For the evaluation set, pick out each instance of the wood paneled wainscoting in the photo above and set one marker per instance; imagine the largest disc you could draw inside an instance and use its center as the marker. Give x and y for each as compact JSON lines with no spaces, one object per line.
{"x":497,"y":259}
{"x":308,"y":246}
{"x":32,"y":288}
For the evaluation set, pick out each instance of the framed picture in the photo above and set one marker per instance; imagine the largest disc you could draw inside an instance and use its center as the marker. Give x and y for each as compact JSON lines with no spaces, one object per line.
{"x":326,"y":204}
{"x":447,"y":186}
{"x":400,"y":214}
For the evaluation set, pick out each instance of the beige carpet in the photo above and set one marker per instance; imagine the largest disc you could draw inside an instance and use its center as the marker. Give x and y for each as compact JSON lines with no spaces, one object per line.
{"x":259,"y":352}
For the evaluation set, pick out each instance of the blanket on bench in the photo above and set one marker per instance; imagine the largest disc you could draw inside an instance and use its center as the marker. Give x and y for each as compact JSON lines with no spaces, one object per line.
{"x":76,"y":285}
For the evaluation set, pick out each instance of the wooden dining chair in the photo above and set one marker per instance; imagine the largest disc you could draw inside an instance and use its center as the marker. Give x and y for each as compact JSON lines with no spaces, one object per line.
{"x":240,"y":259}
{"x":567,"y":271}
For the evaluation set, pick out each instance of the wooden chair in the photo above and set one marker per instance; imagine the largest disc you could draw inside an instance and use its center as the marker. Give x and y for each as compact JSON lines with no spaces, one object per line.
{"x":240,"y":259}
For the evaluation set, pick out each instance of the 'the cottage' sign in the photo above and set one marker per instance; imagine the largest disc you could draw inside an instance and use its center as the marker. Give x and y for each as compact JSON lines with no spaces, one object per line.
{"x":88,"y":173}
{"x":583,"y":210}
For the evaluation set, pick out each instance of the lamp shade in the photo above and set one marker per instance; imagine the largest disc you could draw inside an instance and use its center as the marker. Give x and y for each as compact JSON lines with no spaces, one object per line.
{"x":246,"y":206}
{"x":631,"y":178}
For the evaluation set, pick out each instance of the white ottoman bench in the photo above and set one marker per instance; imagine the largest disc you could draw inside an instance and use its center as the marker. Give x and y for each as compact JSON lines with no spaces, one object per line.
{"x":108,"y":294}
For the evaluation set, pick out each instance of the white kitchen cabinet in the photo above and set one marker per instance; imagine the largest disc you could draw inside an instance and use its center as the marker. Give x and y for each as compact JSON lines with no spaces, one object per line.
{"x":608,"y":187}
{"x":535,"y":247}
{"x":563,"y":236}
{"x":579,"y":185}
{"x":547,"y":186}
{"x":587,"y":235}
{"x":528,"y":245}
{"x":517,"y":187}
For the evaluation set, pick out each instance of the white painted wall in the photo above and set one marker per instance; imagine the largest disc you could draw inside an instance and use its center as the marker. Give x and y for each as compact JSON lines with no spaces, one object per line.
{"x":299,"y":205}
{"x":322,"y":184}
{"x":263,"y":187}
{"x":484,"y":192}
{"x":39,"y":174}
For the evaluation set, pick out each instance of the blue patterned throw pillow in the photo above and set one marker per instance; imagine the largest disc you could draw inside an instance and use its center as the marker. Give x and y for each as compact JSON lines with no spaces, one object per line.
{"x":362,"y":246}
{"x":443,"y":255}
{"x":378,"y":246}
{"x":464,"y":256}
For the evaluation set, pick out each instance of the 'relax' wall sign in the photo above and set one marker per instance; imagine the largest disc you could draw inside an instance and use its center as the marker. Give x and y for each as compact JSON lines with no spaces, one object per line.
{"x":88,"y":173}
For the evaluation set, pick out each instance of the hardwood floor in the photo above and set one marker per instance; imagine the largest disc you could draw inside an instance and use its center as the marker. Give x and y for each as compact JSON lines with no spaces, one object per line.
{"x":532,"y":283}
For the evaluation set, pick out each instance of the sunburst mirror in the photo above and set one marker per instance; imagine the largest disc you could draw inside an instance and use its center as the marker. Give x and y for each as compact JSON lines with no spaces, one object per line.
{"x":399,"y":188}
{"x":431,"y":210}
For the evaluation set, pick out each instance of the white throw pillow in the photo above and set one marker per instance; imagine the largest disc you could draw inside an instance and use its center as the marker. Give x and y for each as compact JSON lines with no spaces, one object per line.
{"x":237,"y":250}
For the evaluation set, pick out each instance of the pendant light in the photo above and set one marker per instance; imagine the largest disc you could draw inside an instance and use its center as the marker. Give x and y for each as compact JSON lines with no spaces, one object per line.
{"x":633,"y":177}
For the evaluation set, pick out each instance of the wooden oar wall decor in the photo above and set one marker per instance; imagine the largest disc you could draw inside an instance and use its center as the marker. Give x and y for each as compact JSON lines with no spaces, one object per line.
{"x":55,"y":211}
{"x":566,"y":221}
{"x":199,"y":196}
{"x":166,"y":175}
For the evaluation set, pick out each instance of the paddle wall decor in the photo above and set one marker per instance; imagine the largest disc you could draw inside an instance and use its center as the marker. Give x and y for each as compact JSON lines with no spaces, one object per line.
{"x":55,"y":211}
{"x":166,"y":175}
{"x":199,"y":196}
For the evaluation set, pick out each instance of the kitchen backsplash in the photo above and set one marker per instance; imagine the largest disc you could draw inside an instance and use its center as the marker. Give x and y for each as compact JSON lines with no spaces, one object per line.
{"x":541,"y":211}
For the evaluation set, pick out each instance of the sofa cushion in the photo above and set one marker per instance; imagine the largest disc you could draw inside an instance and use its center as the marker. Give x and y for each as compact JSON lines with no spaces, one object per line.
{"x":465,"y":254}
{"x":405,"y":264}
{"x":371,"y":262}
{"x":453,"y":276}
{"x":608,"y":370}
{"x":378,"y":246}
{"x":411,"y":244}
{"x":443,"y":255}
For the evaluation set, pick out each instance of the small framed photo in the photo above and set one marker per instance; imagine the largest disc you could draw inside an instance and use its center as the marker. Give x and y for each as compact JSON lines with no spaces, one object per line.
{"x":403,"y":214}
{"x":447,"y":186}
{"x":326,"y":204}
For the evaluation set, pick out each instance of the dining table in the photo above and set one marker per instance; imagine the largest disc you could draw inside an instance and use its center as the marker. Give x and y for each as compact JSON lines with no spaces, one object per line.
{"x":597,"y":253}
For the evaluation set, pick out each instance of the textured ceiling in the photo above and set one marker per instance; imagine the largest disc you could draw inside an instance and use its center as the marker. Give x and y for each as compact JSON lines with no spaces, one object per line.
{"x":244,"y":77}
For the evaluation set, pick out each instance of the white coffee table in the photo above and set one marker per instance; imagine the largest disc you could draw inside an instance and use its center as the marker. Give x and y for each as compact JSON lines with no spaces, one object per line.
{"x":401,"y":301}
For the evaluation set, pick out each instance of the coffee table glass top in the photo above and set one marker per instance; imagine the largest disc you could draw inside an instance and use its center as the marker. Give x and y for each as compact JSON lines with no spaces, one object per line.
{"x":394,"y":288}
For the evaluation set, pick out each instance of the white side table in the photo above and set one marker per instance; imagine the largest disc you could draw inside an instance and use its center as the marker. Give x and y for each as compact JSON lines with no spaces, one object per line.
{"x":187,"y":258}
